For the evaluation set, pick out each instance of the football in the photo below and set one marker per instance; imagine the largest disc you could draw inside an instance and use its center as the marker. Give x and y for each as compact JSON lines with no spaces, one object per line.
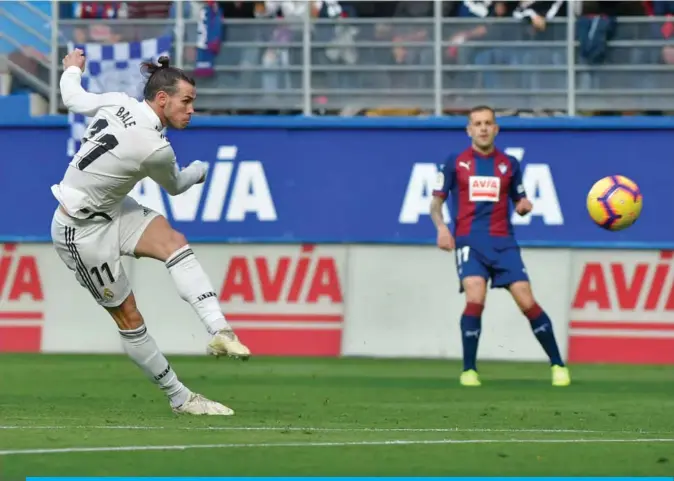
{"x":614,"y":202}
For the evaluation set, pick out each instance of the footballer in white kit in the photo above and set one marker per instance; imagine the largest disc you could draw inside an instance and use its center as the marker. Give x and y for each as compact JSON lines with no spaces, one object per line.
{"x":96,"y":222}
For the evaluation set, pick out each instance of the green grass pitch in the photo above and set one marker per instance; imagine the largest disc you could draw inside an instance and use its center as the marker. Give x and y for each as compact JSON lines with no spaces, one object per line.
{"x":333,"y":417}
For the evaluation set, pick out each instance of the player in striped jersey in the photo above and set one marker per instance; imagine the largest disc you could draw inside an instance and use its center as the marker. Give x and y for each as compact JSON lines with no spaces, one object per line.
{"x":482,"y":182}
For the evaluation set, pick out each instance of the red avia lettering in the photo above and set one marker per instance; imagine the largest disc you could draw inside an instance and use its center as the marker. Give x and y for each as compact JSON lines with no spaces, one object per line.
{"x":19,"y":281}
{"x":287,"y":273}
{"x":19,"y":276}
{"x":484,"y":184}
{"x":598,"y":280}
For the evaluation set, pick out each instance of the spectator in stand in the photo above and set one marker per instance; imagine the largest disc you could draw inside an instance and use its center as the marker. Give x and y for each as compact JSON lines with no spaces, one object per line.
{"x":495,"y":33}
{"x":340,"y":38}
{"x":459,"y":54}
{"x":418,"y":30}
{"x":276,"y":58}
{"x":663,"y":28}
{"x":103,"y":32}
{"x":245,"y":57}
{"x":97,"y":9}
{"x":538,"y":28}
{"x":290,"y":15}
{"x":373,"y":9}
{"x":595,"y":28}
{"x":95,"y":32}
{"x":155,"y":9}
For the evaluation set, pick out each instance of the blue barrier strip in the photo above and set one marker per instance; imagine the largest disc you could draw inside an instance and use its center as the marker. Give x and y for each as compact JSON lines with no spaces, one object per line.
{"x":44,"y":121}
{"x":329,"y":122}
{"x":414,"y":242}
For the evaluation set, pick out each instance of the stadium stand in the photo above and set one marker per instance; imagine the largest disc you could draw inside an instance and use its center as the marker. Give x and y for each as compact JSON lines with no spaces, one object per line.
{"x":374,"y":58}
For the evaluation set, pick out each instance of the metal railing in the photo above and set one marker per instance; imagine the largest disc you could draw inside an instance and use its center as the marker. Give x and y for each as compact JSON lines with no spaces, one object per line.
{"x":24,"y":28}
{"x":307,"y":64}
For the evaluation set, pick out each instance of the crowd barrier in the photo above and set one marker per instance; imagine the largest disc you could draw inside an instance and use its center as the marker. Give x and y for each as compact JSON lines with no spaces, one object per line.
{"x":317,"y":237}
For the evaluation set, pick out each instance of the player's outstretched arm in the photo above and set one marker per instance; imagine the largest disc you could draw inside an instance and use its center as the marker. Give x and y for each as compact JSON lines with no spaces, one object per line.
{"x":75,"y":98}
{"x":161,"y":166}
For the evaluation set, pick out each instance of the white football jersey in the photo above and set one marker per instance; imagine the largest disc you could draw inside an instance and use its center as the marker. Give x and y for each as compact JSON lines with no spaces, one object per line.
{"x":123,"y":144}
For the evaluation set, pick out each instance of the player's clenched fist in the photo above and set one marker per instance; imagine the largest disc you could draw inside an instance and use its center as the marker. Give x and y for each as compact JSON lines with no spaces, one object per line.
{"x":523,"y":206}
{"x":74,"y":59}
{"x":202,"y":167}
{"x":445,"y":240}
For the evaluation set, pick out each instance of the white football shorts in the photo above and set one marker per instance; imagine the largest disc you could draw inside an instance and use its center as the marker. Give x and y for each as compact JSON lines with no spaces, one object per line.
{"x":93,"y":248}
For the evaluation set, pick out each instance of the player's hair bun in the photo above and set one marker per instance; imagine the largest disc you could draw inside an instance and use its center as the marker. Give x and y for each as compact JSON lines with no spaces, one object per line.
{"x":162,"y":77}
{"x":150,"y":68}
{"x":164,"y":61}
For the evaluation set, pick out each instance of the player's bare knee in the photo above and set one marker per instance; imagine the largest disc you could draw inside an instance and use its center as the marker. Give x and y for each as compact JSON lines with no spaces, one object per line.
{"x":476,"y":290}
{"x":176,"y":241}
{"x":523,"y":296}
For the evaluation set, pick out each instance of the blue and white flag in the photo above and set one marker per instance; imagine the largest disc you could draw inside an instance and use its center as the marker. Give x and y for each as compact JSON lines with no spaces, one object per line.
{"x":113,"y":68}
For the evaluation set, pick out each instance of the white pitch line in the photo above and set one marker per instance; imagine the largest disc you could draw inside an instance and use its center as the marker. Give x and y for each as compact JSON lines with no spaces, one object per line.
{"x":327,"y":430}
{"x":397,"y":442}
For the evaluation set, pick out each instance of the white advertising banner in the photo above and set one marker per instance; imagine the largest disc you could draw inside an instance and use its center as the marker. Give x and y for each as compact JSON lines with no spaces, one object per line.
{"x":622,"y":307}
{"x":281,"y":300}
{"x":404,"y":301}
{"x":380,"y":301}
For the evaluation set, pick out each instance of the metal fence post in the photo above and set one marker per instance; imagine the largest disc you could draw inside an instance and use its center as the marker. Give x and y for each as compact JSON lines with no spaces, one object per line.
{"x":179,"y":34}
{"x":306,"y":62}
{"x":54,"y":58}
{"x":437,"y":57}
{"x":570,"y":60}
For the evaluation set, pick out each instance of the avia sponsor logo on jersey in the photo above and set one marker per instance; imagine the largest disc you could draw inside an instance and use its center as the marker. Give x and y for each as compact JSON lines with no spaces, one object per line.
{"x":483,"y":189}
{"x":285,"y":300}
{"x":537,"y":180}
{"x":21,"y":300}
{"x":623,"y":307}
{"x":232,"y":192}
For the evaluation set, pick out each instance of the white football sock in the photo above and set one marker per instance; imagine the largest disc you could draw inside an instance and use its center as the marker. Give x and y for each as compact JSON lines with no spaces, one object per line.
{"x":194,"y":287}
{"x":143,"y":351}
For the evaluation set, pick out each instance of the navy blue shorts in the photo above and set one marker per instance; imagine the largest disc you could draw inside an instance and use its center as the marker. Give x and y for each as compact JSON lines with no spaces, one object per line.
{"x":500,"y":266}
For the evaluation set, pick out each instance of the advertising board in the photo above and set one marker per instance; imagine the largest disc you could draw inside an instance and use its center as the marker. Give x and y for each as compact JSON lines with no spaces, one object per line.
{"x":375,"y":301}
{"x":622,"y":308}
{"x":357,"y":181}
{"x":22,"y":298}
{"x":299,"y":300}
{"x":405,"y":302}
{"x":317,"y":236}
{"x":281,"y":300}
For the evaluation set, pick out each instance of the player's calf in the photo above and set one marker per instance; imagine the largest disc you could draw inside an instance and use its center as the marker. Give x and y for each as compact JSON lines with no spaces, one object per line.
{"x":475,"y":289}
{"x":471,"y":327}
{"x":143,"y":351}
{"x":541,"y":324}
{"x":126,"y":315}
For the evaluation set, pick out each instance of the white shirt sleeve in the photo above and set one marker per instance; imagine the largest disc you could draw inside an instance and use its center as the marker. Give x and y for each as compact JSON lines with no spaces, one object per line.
{"x":79,"y":101}
{"x":161,"y":166}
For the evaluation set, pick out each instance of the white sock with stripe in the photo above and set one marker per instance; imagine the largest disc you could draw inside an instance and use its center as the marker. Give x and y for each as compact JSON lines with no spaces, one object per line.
{"x":194,"y":287}
{"x":143,"y":351}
